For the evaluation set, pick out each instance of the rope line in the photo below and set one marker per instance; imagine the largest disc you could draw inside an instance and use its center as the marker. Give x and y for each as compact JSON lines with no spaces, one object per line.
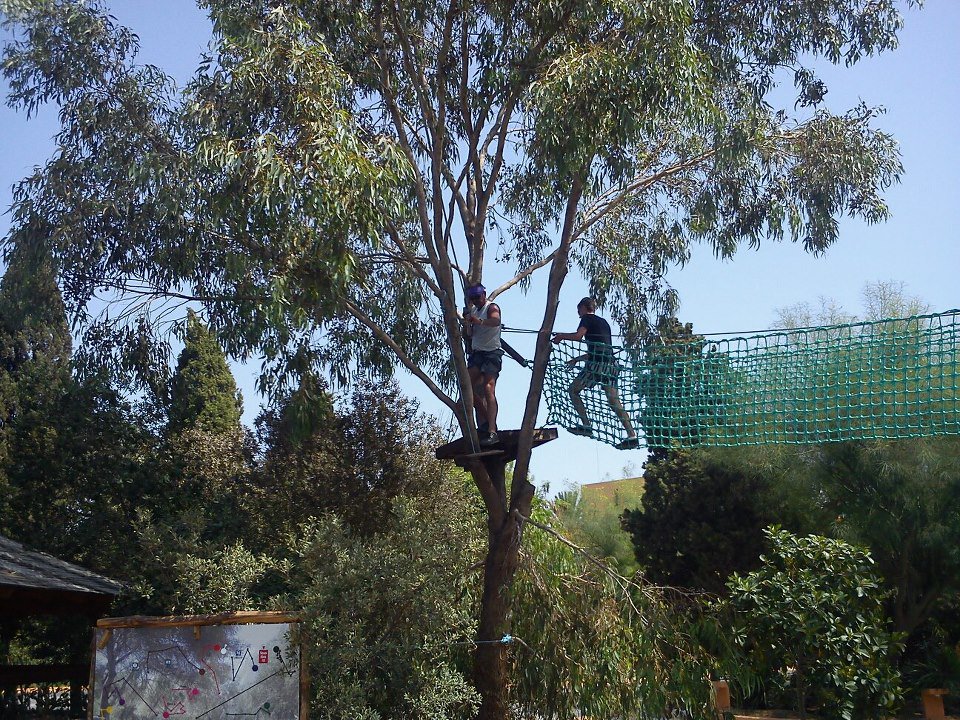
{"x":881,"y":380}
{"x":763,"y":331}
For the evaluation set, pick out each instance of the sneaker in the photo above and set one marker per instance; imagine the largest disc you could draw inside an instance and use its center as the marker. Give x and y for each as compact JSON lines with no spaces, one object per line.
{"x":630,"y":443}
{"x":582,"y":430}
{"x":490,"y":439}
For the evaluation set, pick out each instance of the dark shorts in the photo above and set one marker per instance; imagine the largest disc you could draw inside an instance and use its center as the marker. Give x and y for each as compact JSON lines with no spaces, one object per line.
{"x":602,"y":373}
{"x":488,"y":362}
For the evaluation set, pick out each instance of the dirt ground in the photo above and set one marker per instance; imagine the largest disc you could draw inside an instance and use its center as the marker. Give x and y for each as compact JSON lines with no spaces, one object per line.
{"x":786,"y":715}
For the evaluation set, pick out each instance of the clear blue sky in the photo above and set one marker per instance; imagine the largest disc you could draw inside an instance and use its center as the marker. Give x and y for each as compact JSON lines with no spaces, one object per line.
{"x":918,"y":85}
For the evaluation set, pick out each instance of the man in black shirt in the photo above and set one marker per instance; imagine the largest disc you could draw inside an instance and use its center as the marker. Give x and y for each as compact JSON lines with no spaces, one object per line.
{"x":601,"y":368}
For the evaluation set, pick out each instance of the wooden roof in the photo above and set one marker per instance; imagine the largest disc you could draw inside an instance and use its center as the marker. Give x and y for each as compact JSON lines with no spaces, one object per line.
{"x":35,"y":583}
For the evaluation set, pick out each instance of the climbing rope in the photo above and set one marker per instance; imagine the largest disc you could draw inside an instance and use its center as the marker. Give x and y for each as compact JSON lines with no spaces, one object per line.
{"x":890,"y":379}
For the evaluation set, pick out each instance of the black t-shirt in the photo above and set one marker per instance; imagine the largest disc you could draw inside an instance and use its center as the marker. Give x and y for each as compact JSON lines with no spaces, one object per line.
{"x":598,"y":338}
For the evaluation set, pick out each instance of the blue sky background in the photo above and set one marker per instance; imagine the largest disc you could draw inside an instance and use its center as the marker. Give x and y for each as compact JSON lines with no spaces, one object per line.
{"x":917,"y":84}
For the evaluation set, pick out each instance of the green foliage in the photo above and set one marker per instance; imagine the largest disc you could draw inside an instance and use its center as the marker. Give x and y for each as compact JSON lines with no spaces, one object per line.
{"x":244,"y":190}
{"x":703,"y":514}
{"x":902,"y":501}
{"x":203,"y":392}
{"x":64,"y":443}
{"x":35,"y":349}
{"x":33,"y":321}
{"x":932,"y":656}
{"x":595,"y":642}
{"x":191,"y":514}
{"x":353,"y":461}
{"x":308,"y":167}
{"x":76,"y":478}
{"x":371,"y":537}
{"x":390,"y":619}
{"x":590,"y":516}
{"x":811,"y":619}
{"x":225,"y":580}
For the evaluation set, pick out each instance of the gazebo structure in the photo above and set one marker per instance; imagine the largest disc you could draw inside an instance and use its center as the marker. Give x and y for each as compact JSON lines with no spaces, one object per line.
{"x":35,"y":583}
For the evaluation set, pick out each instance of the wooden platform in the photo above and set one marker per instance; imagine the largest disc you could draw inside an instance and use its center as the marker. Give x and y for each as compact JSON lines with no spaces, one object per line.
{"x":461,"y":450}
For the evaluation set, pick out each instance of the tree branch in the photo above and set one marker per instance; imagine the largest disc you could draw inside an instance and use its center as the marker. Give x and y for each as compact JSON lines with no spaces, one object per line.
{"x":402,"y":356}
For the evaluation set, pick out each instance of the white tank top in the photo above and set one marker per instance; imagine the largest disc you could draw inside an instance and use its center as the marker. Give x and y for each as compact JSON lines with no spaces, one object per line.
{"x":485,"y":338}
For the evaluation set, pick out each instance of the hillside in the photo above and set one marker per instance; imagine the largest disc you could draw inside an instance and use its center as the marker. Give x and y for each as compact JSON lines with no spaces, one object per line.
{"x":616,"y":493}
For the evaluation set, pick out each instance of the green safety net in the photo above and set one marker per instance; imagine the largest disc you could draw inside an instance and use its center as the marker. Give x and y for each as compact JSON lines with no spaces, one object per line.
{"x":895,"y":378}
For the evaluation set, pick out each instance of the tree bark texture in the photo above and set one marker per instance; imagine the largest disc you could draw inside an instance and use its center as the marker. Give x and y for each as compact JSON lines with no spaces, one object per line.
{"x":505,"y":528}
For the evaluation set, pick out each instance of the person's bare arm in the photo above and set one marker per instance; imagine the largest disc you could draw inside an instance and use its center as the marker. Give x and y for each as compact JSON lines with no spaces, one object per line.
{"x":560,"y":337}
{"x":492,"y":319}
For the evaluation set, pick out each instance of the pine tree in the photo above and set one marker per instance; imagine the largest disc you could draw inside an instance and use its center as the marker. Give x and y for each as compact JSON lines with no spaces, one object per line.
{"x":35,"y":343}
{"x":35,"y":349}
{"x":203,"y":392}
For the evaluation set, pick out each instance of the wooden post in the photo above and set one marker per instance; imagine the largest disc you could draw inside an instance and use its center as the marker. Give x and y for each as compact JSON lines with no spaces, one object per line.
{"x":721,"y":696}
{"x":933,"y":703}
{"x":76,"y":697}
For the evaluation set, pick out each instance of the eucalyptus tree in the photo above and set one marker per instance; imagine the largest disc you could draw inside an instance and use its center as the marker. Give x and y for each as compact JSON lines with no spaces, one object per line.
{"x":336,"y":172}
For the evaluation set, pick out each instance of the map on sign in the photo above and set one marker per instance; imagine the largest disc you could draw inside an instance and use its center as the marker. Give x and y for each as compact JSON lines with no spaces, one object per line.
{"x":214,"y":672}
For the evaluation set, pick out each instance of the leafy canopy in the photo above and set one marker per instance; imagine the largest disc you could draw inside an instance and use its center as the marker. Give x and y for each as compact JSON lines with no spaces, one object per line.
{"x":334,"y":173}
{"x":324,"y":154}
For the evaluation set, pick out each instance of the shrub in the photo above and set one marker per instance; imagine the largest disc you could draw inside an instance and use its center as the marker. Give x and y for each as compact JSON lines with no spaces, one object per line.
{"x":810,"y":619}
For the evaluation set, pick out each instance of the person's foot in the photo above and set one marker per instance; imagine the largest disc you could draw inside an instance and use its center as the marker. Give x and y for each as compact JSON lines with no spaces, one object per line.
{"x":630,"y":443}
{"x":490,"y":439}
{"x":483,"y":427}
{"x":582,"y":430}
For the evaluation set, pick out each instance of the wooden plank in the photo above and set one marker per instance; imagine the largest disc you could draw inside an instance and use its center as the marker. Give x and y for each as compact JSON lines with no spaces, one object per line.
{"x":483,"y":453}
{"x":507,"y":441}
{"x":226,"y":618}
{"x":91,"y":673}
{"x":304,"y":678}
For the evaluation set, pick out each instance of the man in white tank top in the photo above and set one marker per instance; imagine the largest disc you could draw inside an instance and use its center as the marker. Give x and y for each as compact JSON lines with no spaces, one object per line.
{"x":485,"y":361}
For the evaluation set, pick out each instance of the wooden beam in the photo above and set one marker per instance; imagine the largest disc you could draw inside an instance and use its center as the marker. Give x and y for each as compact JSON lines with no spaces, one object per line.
{"x":507,"y":441}
{"x":225,"y":618}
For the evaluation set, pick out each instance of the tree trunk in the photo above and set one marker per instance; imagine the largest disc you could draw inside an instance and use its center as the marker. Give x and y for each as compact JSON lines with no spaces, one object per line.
{"x":490,"y":662}
{"x":490,"y":669}
{"x":505,"y":523}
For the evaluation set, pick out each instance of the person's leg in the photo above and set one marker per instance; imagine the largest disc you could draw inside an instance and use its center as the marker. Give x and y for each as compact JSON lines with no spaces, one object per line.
{"x":577,"y":387}
{"x":489,"y":391}
{"x":613,"y":397}
{"x":479,"y":401}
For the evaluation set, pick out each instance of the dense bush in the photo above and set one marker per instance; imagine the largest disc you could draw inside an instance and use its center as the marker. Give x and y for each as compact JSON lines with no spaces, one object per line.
{"x":811,"y":620}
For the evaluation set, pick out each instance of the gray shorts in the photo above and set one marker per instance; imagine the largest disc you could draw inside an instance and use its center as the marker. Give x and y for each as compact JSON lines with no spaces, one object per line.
{"x":488,"y":362}
{"x":603,"y":373}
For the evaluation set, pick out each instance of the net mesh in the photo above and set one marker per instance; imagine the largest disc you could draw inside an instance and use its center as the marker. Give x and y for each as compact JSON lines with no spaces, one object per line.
{"x":890,"y":379}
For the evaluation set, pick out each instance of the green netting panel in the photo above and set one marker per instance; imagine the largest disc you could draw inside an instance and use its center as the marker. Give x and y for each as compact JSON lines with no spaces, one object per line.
{"x":897,"y":378}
